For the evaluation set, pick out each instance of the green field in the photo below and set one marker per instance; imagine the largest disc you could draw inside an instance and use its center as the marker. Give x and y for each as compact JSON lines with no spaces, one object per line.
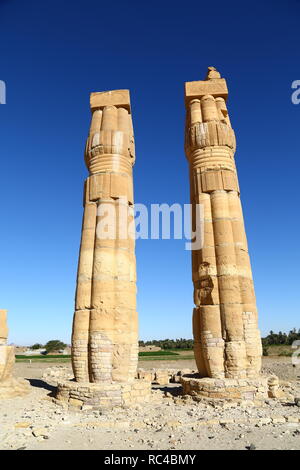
{"x":41,"y":358}
{"x":158,"y":353}
{"x":167,"y":358}
{"x":143,"y":356}
{"x":164,"y":355}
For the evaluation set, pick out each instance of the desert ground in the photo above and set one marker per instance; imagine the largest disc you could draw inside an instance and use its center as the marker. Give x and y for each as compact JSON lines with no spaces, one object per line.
{"x":169,"y":421}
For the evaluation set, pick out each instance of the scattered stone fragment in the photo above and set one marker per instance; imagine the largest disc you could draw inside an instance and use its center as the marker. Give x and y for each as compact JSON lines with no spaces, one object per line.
{"x":251,"y":447}
{"x":40,"y":432}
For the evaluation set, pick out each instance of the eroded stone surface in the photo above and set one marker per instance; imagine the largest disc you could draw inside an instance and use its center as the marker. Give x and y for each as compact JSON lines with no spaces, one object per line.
{"x":230,"y":389}
{"x":105,"y":330}
{"x":103,"y":395}
{"x":105,"y":326}
{"x":225,"y":327}
{"x":9,"y":386}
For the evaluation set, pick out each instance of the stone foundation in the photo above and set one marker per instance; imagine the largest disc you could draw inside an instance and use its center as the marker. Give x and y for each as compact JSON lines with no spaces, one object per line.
{"x":103,"y":395}
{"x":228,"y":389}
{"x":163,"y":376}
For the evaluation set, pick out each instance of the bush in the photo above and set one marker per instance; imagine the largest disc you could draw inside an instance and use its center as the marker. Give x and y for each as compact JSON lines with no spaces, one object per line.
{"x":265,"y":351}
{"x":286,"y":353}
{"x":36,"y":346}
{"x":54,"y":345}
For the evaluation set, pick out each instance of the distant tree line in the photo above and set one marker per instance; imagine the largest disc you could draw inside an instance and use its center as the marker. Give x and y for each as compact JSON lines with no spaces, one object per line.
{"x":169,"y":343}
{"x":281,"y":338}
{"x":181,"y":343}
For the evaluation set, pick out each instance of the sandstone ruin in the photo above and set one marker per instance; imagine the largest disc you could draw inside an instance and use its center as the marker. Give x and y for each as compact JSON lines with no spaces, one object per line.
{"x":105,"y":326}
{"x":9,"y":386}
{"x":225,"y":325}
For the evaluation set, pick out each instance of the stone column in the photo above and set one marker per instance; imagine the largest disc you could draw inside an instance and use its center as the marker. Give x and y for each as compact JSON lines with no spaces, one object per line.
{"x":9,"y":386}
{"x":7,"y":353}
{"x":105,"y":325}
{"x":227,"y":339}
{"x":105,"y":328}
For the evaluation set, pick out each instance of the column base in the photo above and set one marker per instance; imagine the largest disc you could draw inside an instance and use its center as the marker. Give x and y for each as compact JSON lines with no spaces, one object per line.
{"x":12,"y":387}
{"x":226,"y":389}
{"x":86,"y":395}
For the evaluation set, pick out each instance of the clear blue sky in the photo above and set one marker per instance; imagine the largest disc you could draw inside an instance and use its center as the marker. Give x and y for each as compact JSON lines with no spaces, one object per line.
{"x":53,"y":54}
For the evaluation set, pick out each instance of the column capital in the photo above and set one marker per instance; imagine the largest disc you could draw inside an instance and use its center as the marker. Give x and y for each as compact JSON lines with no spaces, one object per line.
{"x":118,"y":98}
{"x":213,"y":85}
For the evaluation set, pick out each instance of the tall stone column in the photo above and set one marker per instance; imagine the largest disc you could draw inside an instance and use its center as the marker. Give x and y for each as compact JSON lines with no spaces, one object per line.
{"x":227,"y":339}
{"x":105,"y":325}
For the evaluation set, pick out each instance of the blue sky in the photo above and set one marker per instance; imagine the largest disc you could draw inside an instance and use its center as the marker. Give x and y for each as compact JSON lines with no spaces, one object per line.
{"x":53,"y":54}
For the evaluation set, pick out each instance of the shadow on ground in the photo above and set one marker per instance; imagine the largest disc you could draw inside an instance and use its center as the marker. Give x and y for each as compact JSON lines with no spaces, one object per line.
{"x":42,"y":384}
{"x":173,"y":389}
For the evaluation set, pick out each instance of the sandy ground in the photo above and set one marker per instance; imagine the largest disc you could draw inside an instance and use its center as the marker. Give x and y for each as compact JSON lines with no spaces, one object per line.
{"x":167,"y":422}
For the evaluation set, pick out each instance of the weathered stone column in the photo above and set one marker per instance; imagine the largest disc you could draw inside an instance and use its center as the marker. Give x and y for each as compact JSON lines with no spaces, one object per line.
{"x":9,"y":386}
{"x":227,"y":339}
{"x":105,"y":326}
{"x":105,"y":323}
